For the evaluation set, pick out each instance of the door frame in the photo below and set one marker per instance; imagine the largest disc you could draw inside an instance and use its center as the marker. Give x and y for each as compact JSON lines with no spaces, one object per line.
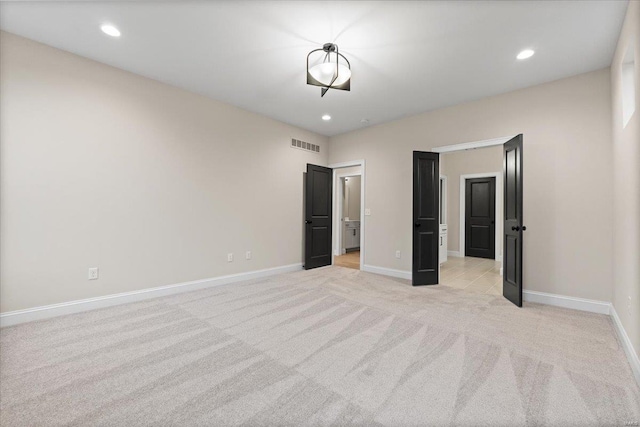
{"x":472,"y":145}
{"x":499,"y":215}
{"x":336,"y":217}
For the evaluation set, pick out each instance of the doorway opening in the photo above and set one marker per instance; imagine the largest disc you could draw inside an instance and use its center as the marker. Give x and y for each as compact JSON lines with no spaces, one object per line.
{"x":348,"y":209}
{"x":324,"y":236}
{"x":477,"y":230}
{"x":471,"y":219}
{"x":348,"y":216}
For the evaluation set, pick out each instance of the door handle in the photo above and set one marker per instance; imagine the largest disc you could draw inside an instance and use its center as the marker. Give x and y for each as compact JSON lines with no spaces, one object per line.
{"x":308,"y":222}
{"x":515,"y":228}
{"x":417,"y":224}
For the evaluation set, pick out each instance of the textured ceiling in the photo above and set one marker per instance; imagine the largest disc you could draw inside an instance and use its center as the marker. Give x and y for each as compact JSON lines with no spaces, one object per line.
{"x":406,"y":57}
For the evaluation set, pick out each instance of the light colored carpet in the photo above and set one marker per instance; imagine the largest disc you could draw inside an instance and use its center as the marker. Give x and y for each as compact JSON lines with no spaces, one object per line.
{"x":331,"y":346}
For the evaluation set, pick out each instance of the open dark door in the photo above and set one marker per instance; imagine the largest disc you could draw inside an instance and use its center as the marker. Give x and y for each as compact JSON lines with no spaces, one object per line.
{"x":513,"y":217}
{"x":426,"y":223}
{"x":317,"y":208}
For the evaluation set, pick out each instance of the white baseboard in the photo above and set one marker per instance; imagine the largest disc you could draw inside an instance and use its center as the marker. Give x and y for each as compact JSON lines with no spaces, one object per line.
{"x":387,"y":271}
{"x":632,"y":355}
{"x":457,"y":254}
{"x":593,"y":306}
{"x":54,"y":310}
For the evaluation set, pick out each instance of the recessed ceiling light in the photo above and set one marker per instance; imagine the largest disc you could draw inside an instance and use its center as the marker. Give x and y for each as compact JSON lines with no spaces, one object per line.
{"x":110,"y":30}
{"x":326,"y":117}
{"x":527,"y":53}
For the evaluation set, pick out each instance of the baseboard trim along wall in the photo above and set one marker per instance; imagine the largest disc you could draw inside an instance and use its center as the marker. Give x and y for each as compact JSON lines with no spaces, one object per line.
{"x":402,"y":274}
{"x":600,"y":307}
{"x":593,"y":306}
{"x":54,"y":310}
{"x":457,"y":254}
{"x":632,"y":355}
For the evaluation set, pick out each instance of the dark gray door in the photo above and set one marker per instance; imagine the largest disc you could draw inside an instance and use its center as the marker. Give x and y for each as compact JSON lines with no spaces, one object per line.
{"x":513,"y":222}
{"x":318,"y":203}
{"x":426,"y":224}
{"x":480,"y":218}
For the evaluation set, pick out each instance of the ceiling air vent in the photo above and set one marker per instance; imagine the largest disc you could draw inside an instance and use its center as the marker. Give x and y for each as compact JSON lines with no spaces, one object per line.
{"x":307,"y":146}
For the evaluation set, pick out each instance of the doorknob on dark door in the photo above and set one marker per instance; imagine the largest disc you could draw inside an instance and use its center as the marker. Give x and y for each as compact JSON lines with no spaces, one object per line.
{"x":308,"y":222}
{"x":515,"y":228}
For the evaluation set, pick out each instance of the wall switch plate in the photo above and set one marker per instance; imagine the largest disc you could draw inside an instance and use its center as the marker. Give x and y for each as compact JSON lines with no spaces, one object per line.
{"x":367,"y":212}
{"x":397,"y":254}
{"x":229,"y":257}
{"x":93,"y":273}
{"x":248,"y":255}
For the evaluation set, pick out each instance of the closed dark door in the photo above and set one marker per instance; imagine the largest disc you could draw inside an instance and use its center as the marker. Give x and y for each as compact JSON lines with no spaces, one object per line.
{"x":513,"y":225}
{"x":480,"y":218}
{"x":317,"y":212}
{"x":426,"y":227}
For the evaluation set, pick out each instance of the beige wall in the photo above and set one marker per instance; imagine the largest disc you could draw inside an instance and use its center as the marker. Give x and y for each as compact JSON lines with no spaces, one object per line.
{"x":567,"y":186}
{"x":152,"y":184}
{"x":100,"y":167}
{"x":626,"y":186}
{"x":458,"y":163}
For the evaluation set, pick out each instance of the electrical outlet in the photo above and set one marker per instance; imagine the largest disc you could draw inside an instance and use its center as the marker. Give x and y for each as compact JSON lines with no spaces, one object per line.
{"x":93,"y":273}
{"x":229,"y":257}
{"x":248,"y":255}
{"x":398,"y":254}
{"x":367,"y":212}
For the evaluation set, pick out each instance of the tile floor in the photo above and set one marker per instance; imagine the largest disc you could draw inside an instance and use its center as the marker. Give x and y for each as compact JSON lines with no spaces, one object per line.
{"x":349,"y":260}
{"x":472,"y":274}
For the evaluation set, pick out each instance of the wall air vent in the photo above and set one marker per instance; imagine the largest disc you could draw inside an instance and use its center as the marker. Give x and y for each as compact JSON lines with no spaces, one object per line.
{"x":307,"y":146}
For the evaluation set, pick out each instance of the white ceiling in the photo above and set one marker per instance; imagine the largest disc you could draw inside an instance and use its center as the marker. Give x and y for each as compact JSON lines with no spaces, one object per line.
{"x":406,"y":57}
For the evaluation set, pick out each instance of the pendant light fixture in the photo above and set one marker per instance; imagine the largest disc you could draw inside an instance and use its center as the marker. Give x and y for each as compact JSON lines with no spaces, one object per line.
{"x":328,"y":68}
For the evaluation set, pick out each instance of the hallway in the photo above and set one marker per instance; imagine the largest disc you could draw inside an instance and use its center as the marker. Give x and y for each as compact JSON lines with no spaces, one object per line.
{"x":472,"y":274}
